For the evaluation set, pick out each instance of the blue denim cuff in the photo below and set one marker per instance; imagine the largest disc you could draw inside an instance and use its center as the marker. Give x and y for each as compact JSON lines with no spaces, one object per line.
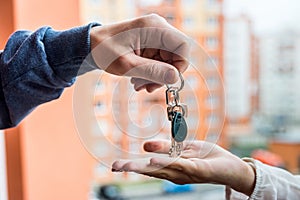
{"x":66,"y":51}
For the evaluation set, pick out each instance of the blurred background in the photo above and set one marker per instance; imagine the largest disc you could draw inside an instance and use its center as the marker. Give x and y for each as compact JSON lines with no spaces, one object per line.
{"x":246,"y":98}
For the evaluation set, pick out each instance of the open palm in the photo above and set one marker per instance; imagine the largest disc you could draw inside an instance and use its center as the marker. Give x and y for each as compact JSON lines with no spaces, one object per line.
{"x":200,"y":162}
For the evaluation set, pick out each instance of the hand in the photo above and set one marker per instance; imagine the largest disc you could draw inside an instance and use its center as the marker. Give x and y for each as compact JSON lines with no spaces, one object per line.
{"x":200,"y":162}
{"x":147,"y":48}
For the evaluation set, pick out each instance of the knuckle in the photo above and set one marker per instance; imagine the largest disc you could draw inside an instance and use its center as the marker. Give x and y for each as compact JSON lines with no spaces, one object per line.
{"x":124,"y":64}
{"x":156,"y":17}
{"x":149,"y":20}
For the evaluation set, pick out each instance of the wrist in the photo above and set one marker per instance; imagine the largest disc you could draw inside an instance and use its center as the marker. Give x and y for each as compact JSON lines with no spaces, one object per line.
{"x":97,"y":35}
{"x":247,"y":179}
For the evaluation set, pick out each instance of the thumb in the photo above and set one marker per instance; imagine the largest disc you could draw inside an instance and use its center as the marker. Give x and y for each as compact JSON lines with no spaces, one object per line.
{"x":157,"y":146}
{"x":153,"y":70}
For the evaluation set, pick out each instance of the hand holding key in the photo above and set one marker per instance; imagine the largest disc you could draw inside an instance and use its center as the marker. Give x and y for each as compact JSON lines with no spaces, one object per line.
{"x":146,"y":48}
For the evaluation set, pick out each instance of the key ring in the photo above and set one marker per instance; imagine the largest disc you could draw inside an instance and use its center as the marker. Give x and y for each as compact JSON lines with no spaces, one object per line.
{"x":181,"y":82}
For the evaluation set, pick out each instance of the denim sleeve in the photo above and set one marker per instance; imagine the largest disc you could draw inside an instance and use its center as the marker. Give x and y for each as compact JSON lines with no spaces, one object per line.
{"x":35,"y":67}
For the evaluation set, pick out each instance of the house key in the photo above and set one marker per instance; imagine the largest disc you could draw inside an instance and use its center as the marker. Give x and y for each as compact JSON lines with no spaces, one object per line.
{"x":176,"y":114}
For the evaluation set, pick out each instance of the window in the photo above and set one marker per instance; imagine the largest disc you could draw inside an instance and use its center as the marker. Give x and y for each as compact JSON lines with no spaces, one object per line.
{"x":212,"y":82}
{"x":95,"y":2}
{"x":212,"y":137}
{"x":193,"y":122}
{"x":192,"y":81}
{"x":212,"y":101}
{"x":100,"y":108}
{"x":134,"y":147}
{"x":100,"y":87}
{"x":170,"y":18}
{"x":191,"y":101}
{"x":212,"y":21}
{"x":193,"y":62}
{"x":212,"y":120}
{"x":188,"y":3}
{"x":212,"y":3}
{"x":189,"y":22}
{"x":212,"y":62}
{"x":211,"y":42}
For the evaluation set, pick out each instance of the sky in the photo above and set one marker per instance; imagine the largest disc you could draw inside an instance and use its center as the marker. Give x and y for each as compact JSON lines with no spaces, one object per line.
{"x":267,"y":15}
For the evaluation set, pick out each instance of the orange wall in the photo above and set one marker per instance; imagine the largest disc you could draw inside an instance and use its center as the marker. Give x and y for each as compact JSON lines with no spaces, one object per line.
{"x":31,"y":14}
{"x":6,"y":21}
{"x":54,"y":163}
{"x":290,"y":153}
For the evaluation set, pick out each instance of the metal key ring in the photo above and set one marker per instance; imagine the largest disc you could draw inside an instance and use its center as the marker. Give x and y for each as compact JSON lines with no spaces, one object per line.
{"x":181,"y":82}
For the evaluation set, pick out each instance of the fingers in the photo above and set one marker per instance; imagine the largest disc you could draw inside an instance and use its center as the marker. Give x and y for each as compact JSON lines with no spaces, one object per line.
{"x":163,"y":146}
{"x":179,"y":63}
{"x":138,"y":166}
{"x":152,"y":87}
{"x":164,"y":168}
{"x":157,"y":146}
{"x":152,"y":70}
{"x":140,"y":84}
{"x":176,"y":60}
{"x":148,"y":165}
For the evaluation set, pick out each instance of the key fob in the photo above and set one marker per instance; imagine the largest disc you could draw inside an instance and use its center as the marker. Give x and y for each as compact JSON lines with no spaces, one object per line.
{"x":179,"y":127}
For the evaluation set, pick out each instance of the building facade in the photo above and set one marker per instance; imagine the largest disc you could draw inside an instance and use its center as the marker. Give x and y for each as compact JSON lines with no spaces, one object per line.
{"x":240,"y":77}
{"x":279,"y":77}
{"x":125,"y":118}
{"x":202,"y":20}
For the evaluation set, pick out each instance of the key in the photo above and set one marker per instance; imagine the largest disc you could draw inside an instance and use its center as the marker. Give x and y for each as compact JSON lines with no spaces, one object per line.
{"x":179,"y":127}
{"x":176,"y":113}
{"x":179,"y":133}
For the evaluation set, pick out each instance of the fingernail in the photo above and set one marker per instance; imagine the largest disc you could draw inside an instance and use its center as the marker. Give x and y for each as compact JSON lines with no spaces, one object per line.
{"x":170,"y":76}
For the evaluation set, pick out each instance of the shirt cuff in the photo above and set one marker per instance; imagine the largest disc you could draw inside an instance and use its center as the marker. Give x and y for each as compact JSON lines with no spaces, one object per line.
{"x":258,"y":177}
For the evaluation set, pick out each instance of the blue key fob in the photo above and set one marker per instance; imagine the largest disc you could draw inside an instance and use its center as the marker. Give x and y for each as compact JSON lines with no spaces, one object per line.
{"x":179,"y":127}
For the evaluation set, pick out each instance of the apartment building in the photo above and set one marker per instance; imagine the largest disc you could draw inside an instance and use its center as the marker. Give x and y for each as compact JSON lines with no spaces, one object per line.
{"x":202,"y":20}
{"x":240,"y":77}
{"x":122,"y":118}
{"x":279,"y":77}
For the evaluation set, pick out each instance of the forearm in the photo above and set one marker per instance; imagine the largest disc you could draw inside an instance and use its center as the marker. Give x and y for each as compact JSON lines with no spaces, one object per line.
{"x":36,"y":67}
